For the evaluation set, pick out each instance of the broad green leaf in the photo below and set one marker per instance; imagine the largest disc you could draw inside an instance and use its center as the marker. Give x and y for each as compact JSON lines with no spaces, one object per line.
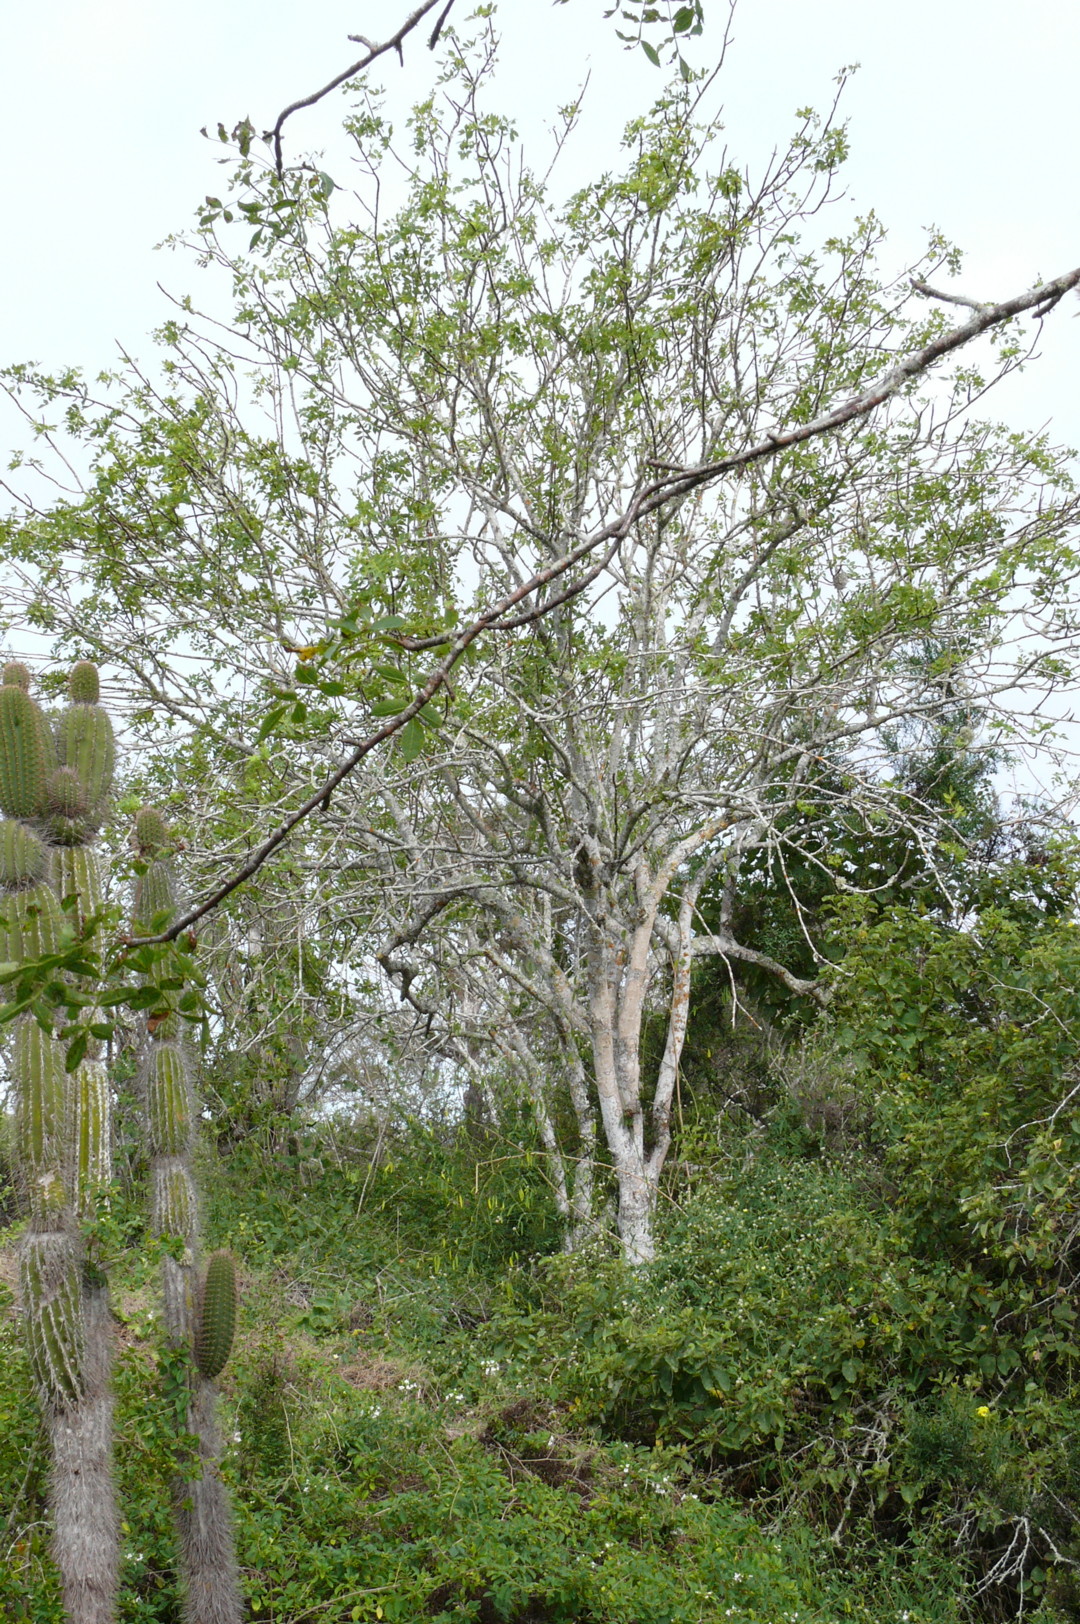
{"x":411,"y":739}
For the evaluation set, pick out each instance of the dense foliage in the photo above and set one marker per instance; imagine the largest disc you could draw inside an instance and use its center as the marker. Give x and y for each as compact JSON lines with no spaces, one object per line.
{"x":859,"y":1335}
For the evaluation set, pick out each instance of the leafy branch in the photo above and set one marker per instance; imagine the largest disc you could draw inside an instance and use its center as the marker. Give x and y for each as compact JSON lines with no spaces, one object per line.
{"x":674,"y":484}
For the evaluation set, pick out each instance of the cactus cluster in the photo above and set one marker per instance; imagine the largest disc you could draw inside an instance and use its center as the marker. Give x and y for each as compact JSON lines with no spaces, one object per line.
{"x":54,"y":792}
{"x":55,"y":788}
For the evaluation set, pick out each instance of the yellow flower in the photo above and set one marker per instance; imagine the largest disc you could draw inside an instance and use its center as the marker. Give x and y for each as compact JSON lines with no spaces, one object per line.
{"x":983,"y":1410}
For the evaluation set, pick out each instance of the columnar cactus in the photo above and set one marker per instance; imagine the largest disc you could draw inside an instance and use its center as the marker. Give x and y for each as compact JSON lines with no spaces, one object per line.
{"x":215,"y":1317}
{"x":62,"y":1122}
{"x":80,"y":787}
{"x":27,"y":753}
{"x":199,"y":1314}
{"x":54,"y":794}
{"x":53,"y":1306}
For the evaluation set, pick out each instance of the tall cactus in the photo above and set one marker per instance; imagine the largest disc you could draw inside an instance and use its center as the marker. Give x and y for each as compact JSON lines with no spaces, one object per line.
{"x":199,"y":1314}
{"x":59,"y":789}
{"x":55,"y":788}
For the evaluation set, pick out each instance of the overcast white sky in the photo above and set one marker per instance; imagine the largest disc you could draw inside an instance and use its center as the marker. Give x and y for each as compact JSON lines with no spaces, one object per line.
{"x":963,"y":115}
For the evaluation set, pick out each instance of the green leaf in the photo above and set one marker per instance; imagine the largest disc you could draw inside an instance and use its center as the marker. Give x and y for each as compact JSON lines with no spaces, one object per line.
{"x":9,"y":1011}
{"x":270,"y":722}
{"x":76,"y":1049}
{"x":651,"y":52}
{"x":135,"y":998}
{"x":411,"y":739}
{"x":389,"y":707}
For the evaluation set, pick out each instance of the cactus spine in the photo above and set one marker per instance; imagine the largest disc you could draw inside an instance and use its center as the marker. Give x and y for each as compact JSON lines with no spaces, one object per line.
{"x":62,"y":1134}
{"x":199,"y":1317}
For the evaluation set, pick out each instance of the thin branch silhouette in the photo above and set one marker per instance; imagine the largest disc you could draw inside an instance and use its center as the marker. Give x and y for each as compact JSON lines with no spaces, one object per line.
{"x":394,"y":43}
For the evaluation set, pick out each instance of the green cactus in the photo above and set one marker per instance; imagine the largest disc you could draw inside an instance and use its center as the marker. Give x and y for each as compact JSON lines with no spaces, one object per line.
{"x":84,"y":744}
{"x":202,"y":1321}
{"x":16,"y":675}
{"x":91,"y":1166}
{"x":69,"y":821}
{"x":151,"y":832}
{"x":23,"y":856}
{"x":31,"y":924}
{"x":53,"y":1311}
{"x":215,"y":1324}
{"x":168,"y":1101}
{"x":155,"y":896}
{"x":42,"y":1117}
{"x":74,"y":872}
{"x":174,"y":1206}
{"x":26,"y":753}
{"x":84,"y":684}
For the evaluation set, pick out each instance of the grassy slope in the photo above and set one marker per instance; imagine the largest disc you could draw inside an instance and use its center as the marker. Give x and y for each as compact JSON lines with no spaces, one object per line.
{"x":402,"y":1446}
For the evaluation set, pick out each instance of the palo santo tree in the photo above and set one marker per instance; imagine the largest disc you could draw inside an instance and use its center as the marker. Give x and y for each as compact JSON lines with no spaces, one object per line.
{"x":200,"y":1314}
{"x":54,"y":792}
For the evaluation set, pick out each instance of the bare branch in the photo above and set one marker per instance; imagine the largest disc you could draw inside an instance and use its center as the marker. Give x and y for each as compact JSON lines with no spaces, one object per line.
{"x":726,"y":947}
{"x":1041,"y":299}
{"x":949,"y":298}
{"x":394,"y":43}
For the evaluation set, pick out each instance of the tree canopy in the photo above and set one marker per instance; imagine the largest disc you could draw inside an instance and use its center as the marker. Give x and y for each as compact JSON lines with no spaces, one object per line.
{"x":652,"y":475}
